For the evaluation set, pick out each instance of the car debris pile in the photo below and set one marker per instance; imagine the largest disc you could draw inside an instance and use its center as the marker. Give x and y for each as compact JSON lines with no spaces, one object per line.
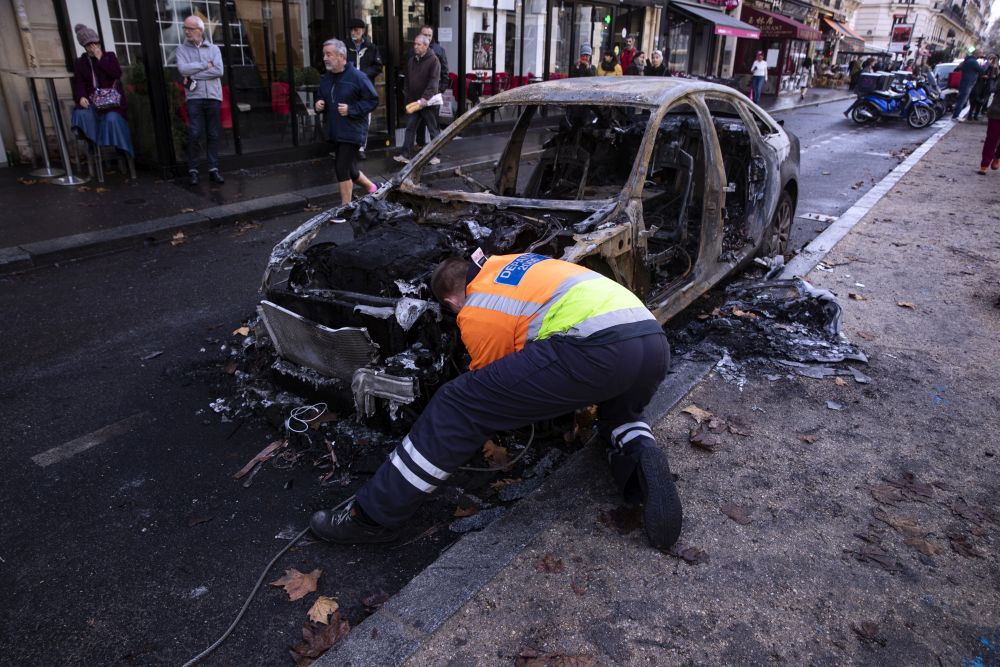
{"x":788,"y":324}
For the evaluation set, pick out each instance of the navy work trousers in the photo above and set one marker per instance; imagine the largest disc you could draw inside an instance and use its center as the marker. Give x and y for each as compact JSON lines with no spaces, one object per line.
{"x":546,"y":379}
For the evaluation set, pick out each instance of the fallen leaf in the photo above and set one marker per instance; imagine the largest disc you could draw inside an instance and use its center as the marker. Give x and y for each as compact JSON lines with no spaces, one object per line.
{"x":178,"y":238}
{"x":507,"y":481}
{"x":83,"y":188}
{"x":887,"y":494}
{"x":322,"y":608}
{"x":374,"y":601}
{"x":689,"y":553}
{"x":318,"y":640}
{"x":840,"y":382}
{"x":100,"y":190}
{"x":737,"y":426}
{"x":297,"y":584}
{"x":970,"y":512}
{"x":867,"y":335}
{"x":624,"y":519}
{"x":187,"y":210}
{"x":743,"y":313}
{"x":856,"y":296}
{"x":549,"y":564}
{"x":922,"y":545}
{"x":702,"y":439}
{"x":698,"y":414}
{"x":465,"y":511}
{"x":906,"y":526}
{"x":809,"y":439}
{"x":580,"y":588}
{"x":906,"y":304}
{"x":868,"y":632}
{"x":242,"y":331}
{"x":736,"y":513}
{"x":715,"y":425}
{"x":495,"y":454}
{"x":872,"y":553}
{"x":26,"y":181}
{"x":962,"y":546}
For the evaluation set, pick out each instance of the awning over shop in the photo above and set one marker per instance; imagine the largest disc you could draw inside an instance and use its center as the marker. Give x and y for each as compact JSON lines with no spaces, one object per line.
{"x":725,"y":25}
{"x":851,"y":41}
{"x":776,"y":26}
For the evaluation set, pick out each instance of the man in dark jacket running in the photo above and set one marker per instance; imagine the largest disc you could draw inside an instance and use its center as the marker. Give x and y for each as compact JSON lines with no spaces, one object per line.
{"x":347,"y":96}
{"x":423,"y":75}
{"x":365,"y":57}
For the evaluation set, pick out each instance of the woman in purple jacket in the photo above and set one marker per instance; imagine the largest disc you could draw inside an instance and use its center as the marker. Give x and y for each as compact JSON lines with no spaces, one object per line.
{"x":95,"y":70}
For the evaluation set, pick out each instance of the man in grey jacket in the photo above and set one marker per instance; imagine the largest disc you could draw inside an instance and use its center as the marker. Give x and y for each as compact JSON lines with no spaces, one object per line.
{"x":423,"y":73}
{"x":200,"y":63}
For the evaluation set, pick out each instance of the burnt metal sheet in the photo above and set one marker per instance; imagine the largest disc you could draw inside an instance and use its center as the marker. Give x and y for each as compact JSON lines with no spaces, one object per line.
{"x":336,"y":353}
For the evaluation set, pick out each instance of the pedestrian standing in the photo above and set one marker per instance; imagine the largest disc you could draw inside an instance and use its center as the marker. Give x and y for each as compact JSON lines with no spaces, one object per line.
{"x":805,"y":75}
{"x":991,"y":146}
{"x":985,"y":85}
{"x":638,"y":66}
{"x":609,"y":65}
{"x":853,"y":72}
{"x":365,"y":57}
{"x":348,"y":96}
{"x":583,"y":66}
{"x":423,"y":80}
{"x":656,"y":66}
{"x":971,"y":70}
{"x":200,"y":63}
{"x":603,"y":348}
{"x":444,"y":81}
{"x":758,"y":76}
{"x":100,"y":113}
{"x":628,"y":53}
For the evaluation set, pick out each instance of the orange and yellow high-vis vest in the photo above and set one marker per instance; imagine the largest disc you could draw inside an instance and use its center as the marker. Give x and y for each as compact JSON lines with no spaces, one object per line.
{"x":521,"y":298}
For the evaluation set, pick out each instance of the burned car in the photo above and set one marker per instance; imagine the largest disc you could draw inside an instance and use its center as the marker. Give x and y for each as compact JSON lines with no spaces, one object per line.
{"x":665,"y":185}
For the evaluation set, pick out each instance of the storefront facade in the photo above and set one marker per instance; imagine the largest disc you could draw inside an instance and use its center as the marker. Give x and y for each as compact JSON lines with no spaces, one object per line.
{"x":702,"y":37}
{"x":784,"y":41}
{"x":272,"y":52}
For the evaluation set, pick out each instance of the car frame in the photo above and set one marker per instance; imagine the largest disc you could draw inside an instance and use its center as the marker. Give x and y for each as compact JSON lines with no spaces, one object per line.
{"x":743,"y":205}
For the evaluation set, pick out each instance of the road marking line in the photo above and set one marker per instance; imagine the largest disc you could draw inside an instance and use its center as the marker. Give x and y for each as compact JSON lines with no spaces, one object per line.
{"x":820,"y":246}
{"x":85,"y":442}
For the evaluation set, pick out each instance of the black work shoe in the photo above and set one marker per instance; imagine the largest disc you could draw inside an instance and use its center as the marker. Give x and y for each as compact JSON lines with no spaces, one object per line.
{"x":193,"y":177}
{"x":216,"y":176}
{"x":345,"y":527}
{"x":661,"y":511}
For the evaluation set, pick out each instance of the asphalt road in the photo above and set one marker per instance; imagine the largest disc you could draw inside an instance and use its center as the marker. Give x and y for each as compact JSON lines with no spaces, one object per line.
{"x":139,"y":547}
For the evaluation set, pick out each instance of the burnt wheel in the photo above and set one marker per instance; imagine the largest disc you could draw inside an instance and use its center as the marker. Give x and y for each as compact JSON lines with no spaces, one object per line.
{"x":776,"y":234}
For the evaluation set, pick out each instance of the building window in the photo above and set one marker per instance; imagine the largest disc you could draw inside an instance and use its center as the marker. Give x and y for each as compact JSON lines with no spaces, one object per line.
{"x":125,"y":31}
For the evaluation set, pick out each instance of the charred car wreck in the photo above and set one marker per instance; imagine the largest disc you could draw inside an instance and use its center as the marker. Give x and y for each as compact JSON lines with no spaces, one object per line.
{"x":667,"y":186}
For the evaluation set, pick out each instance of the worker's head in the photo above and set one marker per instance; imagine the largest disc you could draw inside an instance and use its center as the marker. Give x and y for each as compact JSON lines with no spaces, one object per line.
{"x":357,"y":28}
{"x":448,"y":282}
{"x":334,"y":55}
{"x":194,"y":29}
{"x":420,"y":44}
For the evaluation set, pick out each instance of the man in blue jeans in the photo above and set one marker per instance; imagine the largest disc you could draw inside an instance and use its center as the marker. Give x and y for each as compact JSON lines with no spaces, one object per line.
{"x":970,"y":69}
{"x":200,"y":63}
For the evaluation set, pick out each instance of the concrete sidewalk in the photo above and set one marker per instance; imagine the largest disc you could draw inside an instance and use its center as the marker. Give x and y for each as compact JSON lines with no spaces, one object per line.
{"x":870,"y":527}
{"x":45,"y":223}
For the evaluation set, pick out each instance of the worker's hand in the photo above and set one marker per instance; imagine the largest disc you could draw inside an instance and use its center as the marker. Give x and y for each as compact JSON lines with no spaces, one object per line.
{"x":84,"y":103}
{"x":342,"y":109}
{"x":320,"y":105}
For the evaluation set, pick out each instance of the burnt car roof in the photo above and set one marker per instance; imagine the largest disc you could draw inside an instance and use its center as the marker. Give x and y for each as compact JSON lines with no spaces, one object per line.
{"x":613,"y":90}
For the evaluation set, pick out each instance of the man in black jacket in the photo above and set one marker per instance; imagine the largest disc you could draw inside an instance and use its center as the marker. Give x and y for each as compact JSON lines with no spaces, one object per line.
{"x":364,"y":56}
{"x":423,"y":74}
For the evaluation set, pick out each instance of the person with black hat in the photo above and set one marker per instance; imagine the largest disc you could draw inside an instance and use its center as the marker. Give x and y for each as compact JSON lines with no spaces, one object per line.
{"x":365,"y":57}
{"x":100,"y":114}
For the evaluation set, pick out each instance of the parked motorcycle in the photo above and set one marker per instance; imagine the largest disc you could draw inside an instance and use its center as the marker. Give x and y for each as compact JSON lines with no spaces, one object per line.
{"x":928,"y":84}
{"x":902,"y":100}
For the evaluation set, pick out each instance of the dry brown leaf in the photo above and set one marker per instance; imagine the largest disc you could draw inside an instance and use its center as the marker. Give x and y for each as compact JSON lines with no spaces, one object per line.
{"x":549,"y":564}
{"x":922,"y":545}
{"x":26,"y":181}
{"x":529,"y":657}
{"x":689,"y":553}
{"x":856,"y":296}
{"x":372,"y":602}
{"x":100,"y":190}
{"x":495,"y":454}
{"x":906,"y":304}
{"x":737,"y":426}
{"x":178,"y":238}
{"x":904,"y":525}
{"x":887,"y":494}
{"x":809,"y":439}
{"x":83,"y":188}
{"x":297,"y":584}
{"x":318,"y":640}
{"x":840,"y":382}
{"x":868,"y":632}
{"x":322,"y":608}
{"x":187,"y":210}
{"x":743,"y":313}
{"x":867,"y":335}
{"x":507,"y":481}
{"x":962,"y":545}
{"x":736,"y":513}
{"x":702,"y":439}
{"x":698,"y":414}
{"x":715,"y":425}
{"x":242,"y":331}
{"x":465,"y":511}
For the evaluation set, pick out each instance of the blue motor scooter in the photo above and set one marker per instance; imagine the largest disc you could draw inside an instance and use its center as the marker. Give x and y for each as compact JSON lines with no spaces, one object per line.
{"x":902,"y":99}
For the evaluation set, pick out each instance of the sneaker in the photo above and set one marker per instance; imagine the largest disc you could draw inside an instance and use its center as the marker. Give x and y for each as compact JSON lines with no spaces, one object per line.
{"x":661,"y":511}
{"x":193,"y":177}
{"x":345,"y":526}
{"x":215,"y":176}
{"x":401,"y":158}
{"x":435,"y":160}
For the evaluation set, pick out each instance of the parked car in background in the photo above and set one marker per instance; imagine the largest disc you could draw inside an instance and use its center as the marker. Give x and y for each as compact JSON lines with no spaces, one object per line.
{"x":666,"y":185}
{"x":942,"y":72}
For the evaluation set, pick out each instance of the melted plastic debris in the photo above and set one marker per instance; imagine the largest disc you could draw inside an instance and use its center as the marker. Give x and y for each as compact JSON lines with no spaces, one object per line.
{"x":219,"y":405}
{"x":729,"y":371}
{"x":478,"y":231}
{"x":381,"y":312}
{"x":408,"y":289}
{"x":409,"y":310}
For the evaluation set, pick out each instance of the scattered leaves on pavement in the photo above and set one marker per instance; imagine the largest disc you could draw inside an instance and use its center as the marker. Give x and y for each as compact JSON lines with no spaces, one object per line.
{"x":737,"y":426}
{"x":868,"y":632}
{"x":466,"y":507}
{"x":809,"y":439}
{"x":887,"y":494}
{"x":872,"y":553}
{"x":178,"y":239}
{"x":856,"y":296}
{"x":903,"y":525}
{"x":698,"y":414}
{"x":624,"y":519}
{"x":688,"y":553}
{"x":840,"y":382}
{"x":373,"y":602}
{"x":703,"y":439}
{"x":736,"y":513}
{"x":970,"y":512}
{"x":318,"y":639}
{"x":923,"y":545}
{"x":83,"y":188}
{"x":529,"y":657}
{"x":867,"y":335}
{"x":549,"y":564}
{"x":26,"y":181}
{"x":100,"y":191}
{"x":322,"y":608}
{"x":962,"y":546}
{"x":914,"y":490}
{"x":906,"y":304}
{"x":244,"y":227}
{"x":495,"y":454}
{"x":297,"y":584}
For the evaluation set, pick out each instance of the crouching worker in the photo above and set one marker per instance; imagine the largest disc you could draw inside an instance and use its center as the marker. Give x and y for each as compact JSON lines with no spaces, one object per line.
{"x":546,"y":337}
{"x":347,"y":96}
